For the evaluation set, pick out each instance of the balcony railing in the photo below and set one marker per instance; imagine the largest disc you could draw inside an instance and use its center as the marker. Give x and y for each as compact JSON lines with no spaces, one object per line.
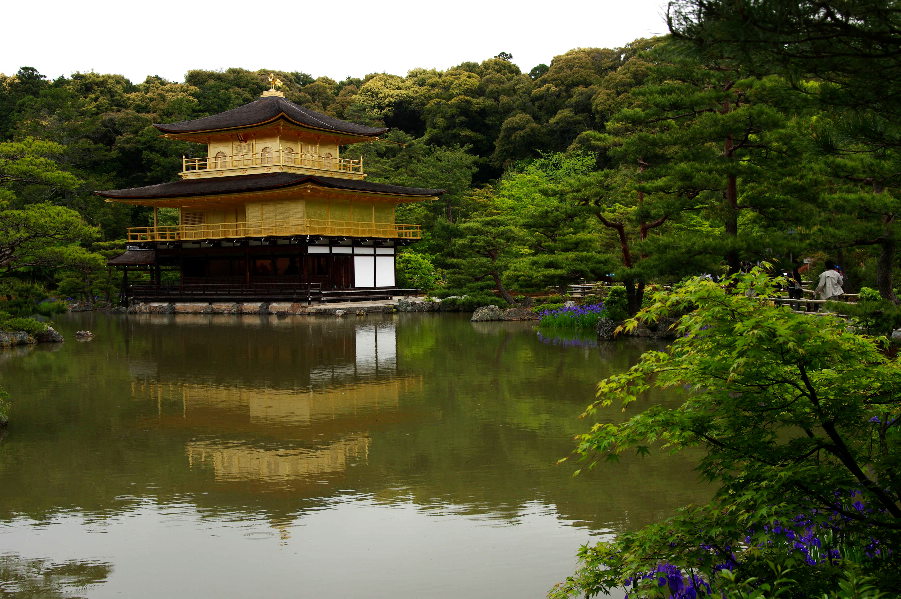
{"x":280,"y":157}
{"x":275,"y":229}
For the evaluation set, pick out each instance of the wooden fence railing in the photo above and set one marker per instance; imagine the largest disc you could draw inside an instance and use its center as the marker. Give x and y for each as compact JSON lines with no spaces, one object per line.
{"x":277,"y":157}
{"x":275,"y":229}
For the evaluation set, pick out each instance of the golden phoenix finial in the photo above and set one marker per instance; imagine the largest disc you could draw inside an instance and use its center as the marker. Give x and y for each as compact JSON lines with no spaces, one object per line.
{"x":274,"y":81}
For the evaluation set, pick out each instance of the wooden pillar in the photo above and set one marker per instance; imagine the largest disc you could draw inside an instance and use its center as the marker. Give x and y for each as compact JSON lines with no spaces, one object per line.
{"x":334,"y":280}
{"x":247,"y":263}
{"x":123,"y":291}
{"x":181,"y":264}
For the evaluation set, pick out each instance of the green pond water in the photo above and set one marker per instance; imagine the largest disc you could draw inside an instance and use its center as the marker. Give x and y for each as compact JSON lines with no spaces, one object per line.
{"x":399,"y":457}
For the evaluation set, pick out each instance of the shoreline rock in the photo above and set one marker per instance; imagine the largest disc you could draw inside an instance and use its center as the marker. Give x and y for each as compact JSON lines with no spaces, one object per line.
{"x":487,"y":314}
{"x":493,"y":313}
{"x":520,"y":313}
{"x":417,"y":304}
{"x":51,"y":335}
{"x":660,"y":330}
{"x":606,"y":329}
{"x":16,"y":338}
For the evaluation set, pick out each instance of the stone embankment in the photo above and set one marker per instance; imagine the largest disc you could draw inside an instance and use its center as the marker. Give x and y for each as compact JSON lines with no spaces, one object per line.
{"x":13,"y":338}
{"x":403,"y":304}
{"x":277,"y":308}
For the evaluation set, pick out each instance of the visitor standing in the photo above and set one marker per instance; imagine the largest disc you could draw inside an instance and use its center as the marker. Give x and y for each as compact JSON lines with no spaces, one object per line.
{"x":830,"y":284}
{"x":795,"y":283}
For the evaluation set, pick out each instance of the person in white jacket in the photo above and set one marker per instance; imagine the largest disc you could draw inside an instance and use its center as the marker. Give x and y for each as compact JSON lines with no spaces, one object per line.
{"x":830,"y":284}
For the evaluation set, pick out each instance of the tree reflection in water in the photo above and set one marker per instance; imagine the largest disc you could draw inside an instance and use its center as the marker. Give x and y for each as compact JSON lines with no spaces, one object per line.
{"x":22,"y":577}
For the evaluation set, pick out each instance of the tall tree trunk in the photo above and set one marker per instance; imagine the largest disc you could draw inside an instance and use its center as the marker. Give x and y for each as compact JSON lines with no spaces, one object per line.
{"x":730,"y":196}
{"x":730,"y":199}
{"x":885,"y":265}
{"x":634,"y":295}
{"x":621,"y":235}
{"x":499,"y":285}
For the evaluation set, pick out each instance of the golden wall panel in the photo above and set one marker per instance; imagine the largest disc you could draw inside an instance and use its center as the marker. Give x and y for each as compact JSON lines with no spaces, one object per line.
{"x":361,"y":212}
{"x":340,"y":210}
{"x":384,"y":213}
{"x":254,"y":214}
{"x":317,"y":209}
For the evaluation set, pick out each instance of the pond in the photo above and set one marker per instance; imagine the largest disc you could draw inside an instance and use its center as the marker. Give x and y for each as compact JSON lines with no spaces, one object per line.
{"x":386,"y":456}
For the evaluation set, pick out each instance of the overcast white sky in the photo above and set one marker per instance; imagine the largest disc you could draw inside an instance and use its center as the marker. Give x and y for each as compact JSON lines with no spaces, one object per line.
{"x":334,"y":38}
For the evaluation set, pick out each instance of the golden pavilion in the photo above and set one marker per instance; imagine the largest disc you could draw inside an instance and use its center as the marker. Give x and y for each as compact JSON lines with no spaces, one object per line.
{"x":273,"y":211}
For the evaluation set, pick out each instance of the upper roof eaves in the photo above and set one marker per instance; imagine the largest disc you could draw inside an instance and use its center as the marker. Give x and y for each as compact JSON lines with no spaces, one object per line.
{"x":266,"y":110}
{"x":213,"y":186}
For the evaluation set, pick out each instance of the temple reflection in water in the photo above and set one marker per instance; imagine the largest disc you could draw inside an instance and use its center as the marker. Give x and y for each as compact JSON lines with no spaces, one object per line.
{"x":241,"y":461}
{"x":309,"y":426}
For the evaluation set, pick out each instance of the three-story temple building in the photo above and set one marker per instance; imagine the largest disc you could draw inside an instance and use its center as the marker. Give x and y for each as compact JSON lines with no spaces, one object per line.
{"x":273,"y":210}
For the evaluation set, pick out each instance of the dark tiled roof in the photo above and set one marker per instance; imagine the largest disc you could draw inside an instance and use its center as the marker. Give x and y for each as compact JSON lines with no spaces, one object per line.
{"x":134,"y":258}
{"x":249,"y":183}
{"x":265,"y":110}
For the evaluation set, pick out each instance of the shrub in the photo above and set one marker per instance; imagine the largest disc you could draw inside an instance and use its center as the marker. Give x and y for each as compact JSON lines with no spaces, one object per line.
{"x":587,"y":300}
{"x":797,"y":418}
{"x":873,"y":314}
{"x":50,"y":307}
{"x":28,"y":325}
{"x":616,"y":304}
{"x":20,"y":297}
{"x":548,"y":307}
{"x":416,"y":271}
{"x":469,"y":303}
{"x":868,"y":294}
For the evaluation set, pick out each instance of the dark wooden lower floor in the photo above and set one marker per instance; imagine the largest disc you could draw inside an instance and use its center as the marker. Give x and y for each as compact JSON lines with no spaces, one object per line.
{"x":328,"y":271}
{"x":259,"y":270}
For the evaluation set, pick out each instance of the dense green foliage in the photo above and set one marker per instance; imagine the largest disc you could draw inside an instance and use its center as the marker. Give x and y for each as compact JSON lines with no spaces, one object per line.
{"x":781,"y":140}
{"x":799,"y":422}
{"x":416,"y":271}
{"x":616,"y":306}
{"x":872,"y":313}
{"x":841,"y":56}
{"x":27,"y":325}
{"x":643,"y":163}
{"x":41,"y":242}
